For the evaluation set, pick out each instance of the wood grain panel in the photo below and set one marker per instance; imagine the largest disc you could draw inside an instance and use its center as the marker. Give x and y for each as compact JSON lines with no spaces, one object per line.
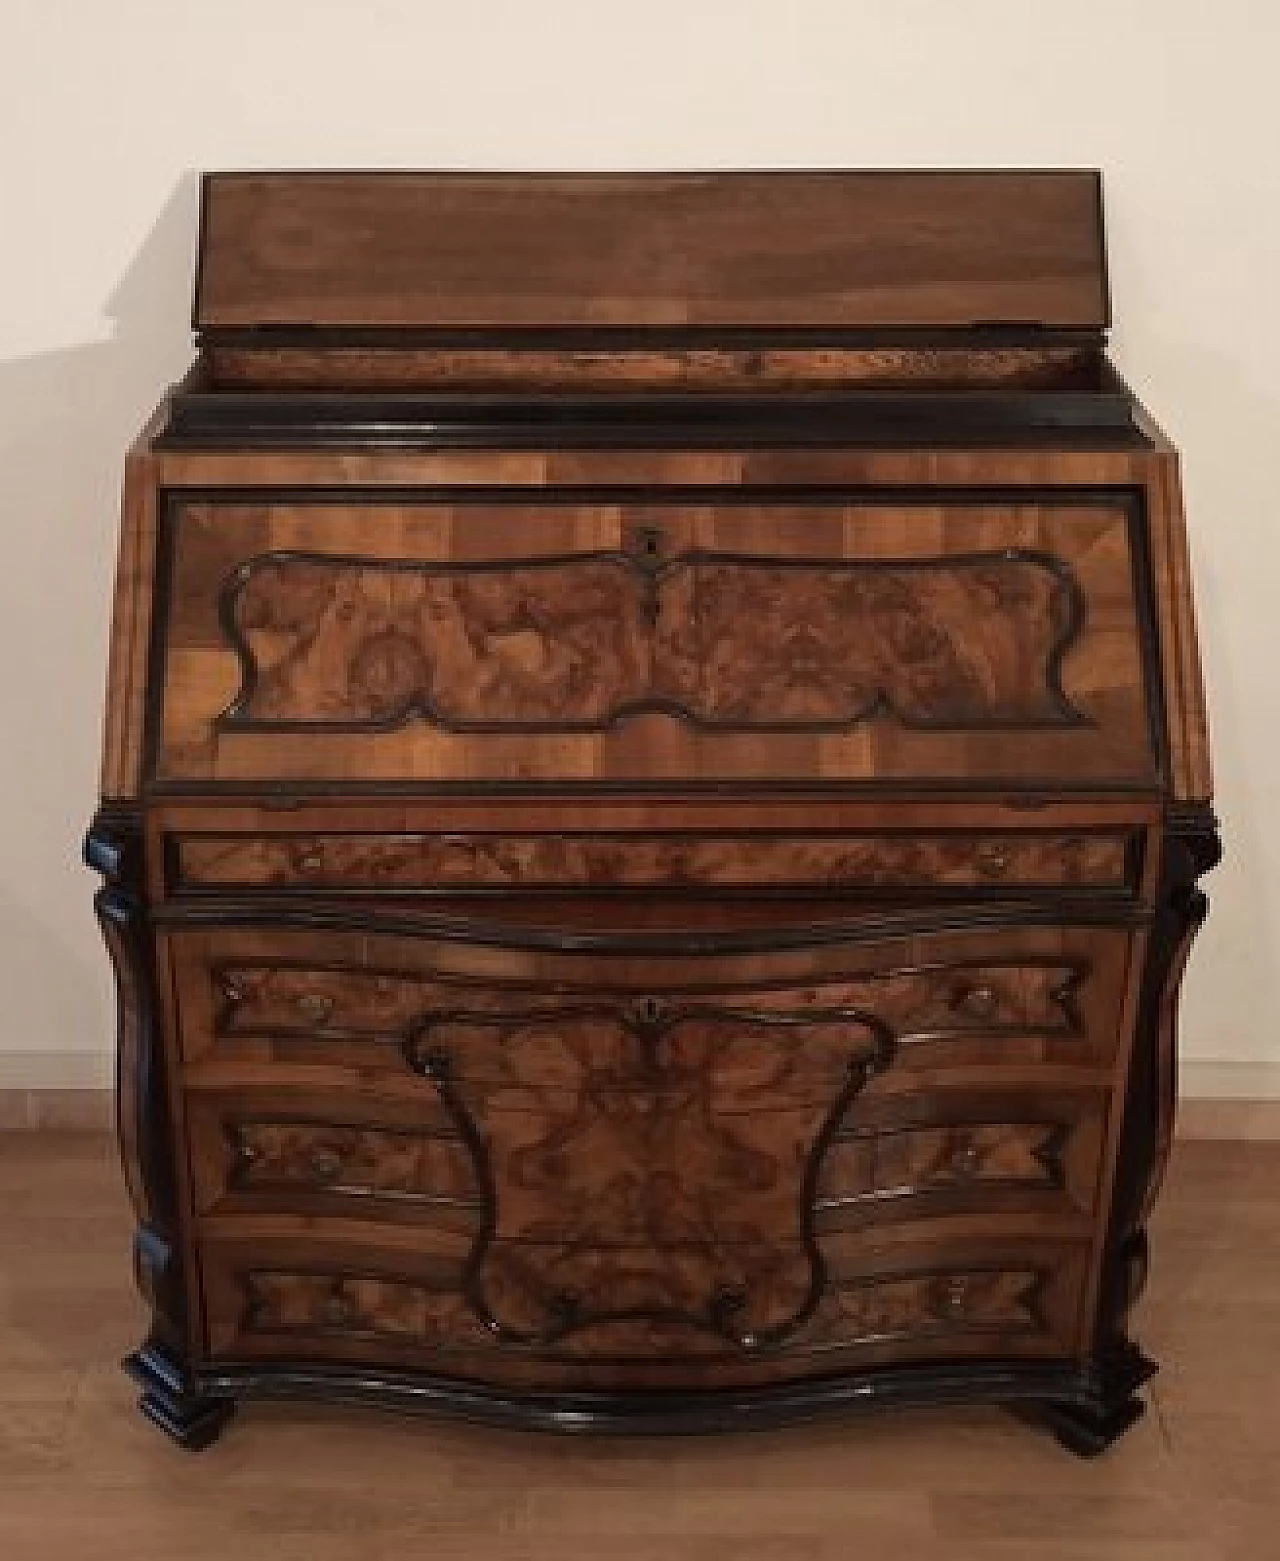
{"x":876,"y":642}
{"x":466,"y":863}
{"x":824,"y":250}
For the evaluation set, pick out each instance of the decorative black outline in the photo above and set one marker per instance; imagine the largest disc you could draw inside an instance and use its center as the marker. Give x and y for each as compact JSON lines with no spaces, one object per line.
{"x":651,"y":574}
{"x":650,"y":1020}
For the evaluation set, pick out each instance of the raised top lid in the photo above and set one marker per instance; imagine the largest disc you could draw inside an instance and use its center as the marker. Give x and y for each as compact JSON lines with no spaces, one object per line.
{"x":826,"y":252}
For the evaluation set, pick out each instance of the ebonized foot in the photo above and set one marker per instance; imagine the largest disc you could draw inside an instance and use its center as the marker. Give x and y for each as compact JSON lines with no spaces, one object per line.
{"x":1090,"y":1429}
{"x":1088,"y":1432}
{"x":192,"y":1420}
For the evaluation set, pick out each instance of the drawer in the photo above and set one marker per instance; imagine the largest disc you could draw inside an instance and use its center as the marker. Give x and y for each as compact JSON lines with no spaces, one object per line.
{"x":498,"y":862}
{"x":654,"y":1317}
{"x":525,"y":639}
{"x":961,"y":1150}
{"x":765,"y":1016}
{"x":376,"y":1155}
{"x":294,"y":1149}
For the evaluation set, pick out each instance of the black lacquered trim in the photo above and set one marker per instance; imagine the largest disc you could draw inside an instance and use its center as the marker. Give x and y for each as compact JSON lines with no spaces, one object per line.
{"x":666,"y":1412}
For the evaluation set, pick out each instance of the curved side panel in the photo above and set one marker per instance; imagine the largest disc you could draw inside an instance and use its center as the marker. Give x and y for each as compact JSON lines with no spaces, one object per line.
{"x":1192,"y":847}
{"x":113,"y":848}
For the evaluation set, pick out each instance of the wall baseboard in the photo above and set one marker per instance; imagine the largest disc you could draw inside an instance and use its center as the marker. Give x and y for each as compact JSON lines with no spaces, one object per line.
{"x":72,"y":1092}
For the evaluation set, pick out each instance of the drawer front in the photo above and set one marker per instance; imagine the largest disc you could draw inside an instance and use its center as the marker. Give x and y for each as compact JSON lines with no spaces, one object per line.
{"x":303,"y":1150}
{"x":955,"y":1150}
{"x":305,"y":1299}
{"x":499,"y":862}
{"x":772,"y":1017}
{"x":375,"y":1155}
{"x":523,"y":640}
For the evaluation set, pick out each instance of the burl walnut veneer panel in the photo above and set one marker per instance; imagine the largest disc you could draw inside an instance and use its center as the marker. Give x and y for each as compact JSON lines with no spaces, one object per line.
{"x":874,"y":641}
{"x":655,"y":776}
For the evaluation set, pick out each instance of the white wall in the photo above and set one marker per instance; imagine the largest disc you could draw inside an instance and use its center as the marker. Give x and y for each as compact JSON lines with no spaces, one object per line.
{"x":107,"y":109}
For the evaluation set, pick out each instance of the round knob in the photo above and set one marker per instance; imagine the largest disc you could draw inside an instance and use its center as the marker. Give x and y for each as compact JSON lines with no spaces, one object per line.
{"x":311,"y":860}
{"x":978,"y":1002}
{"x":315,"y":1007}
{"x":232,"y":991}
{"x":337,"y":1311}
{"x":326,"y":1164}
{"x":966,"y":1160}
{"x":954,"y":1300}
{"x":993,"y":860}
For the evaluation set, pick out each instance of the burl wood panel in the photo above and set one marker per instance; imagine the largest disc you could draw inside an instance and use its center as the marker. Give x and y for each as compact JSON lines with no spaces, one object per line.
{"x":959,"y":1149}
{"x":835,"y":250}
{"x":719,"y":861}
{"x":305,"y":1150}
{"x":1151,"y":473}
{"x":866,"y":641}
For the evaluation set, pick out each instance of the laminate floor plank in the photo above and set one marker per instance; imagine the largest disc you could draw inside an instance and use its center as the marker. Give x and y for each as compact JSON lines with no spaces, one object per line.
{"x":82,"y":1476}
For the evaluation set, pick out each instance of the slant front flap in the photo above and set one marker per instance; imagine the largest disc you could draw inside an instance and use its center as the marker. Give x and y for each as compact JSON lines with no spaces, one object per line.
{"x":824,"y":251}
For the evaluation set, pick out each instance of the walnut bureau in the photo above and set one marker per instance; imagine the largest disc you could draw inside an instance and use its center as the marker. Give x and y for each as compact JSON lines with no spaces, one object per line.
{"x":655,"y":777}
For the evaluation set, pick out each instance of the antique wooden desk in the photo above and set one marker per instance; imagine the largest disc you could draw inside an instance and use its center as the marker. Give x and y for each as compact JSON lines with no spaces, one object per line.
{"x":655,"y":774}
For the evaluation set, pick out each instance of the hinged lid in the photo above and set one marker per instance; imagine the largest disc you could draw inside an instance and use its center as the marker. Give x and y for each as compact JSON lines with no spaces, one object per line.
{"x":828,"y":252}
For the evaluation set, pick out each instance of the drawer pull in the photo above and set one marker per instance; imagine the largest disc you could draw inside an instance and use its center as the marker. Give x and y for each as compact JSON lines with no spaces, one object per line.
{"x":315,"y":1007}
{"x":954,"y":1299}
{"x":326,"y":1165}
{"x":311,"y":860}
{"x":966,"y":1161}
{"x":993,"y":861}
{"x":978,"y":1002}
{"x":337,"y":1312}
{"x":232,"y":991}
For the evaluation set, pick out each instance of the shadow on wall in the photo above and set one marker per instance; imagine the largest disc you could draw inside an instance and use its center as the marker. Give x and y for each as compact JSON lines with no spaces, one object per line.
{"x":65,"y":420}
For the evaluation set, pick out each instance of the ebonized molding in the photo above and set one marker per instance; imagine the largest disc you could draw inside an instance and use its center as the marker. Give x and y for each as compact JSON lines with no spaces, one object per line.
{"x":114,"y":848}
{"x":1192,"y":848}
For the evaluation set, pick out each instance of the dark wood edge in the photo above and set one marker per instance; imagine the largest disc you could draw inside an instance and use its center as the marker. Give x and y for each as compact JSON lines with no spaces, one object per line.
{"x":1192,"y":847}
{"x":858,"y":929}
{"x":114,"y":848}
{"x":1082,"y":1386}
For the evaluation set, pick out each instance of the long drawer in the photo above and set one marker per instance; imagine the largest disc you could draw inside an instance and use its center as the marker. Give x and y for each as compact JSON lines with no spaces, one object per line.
{"x":664,"y":1318}
{"x":515,"y":638}
{"x":772,"y":1014}
{"x":499,"y":861}
{"x":372,"y":1154}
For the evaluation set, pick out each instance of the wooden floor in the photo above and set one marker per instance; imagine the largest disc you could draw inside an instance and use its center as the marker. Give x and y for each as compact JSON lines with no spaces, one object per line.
{"x":81,"y":1476}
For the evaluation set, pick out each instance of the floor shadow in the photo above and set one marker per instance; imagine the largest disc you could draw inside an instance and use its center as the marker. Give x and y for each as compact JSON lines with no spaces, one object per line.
{"x":65,"y":420}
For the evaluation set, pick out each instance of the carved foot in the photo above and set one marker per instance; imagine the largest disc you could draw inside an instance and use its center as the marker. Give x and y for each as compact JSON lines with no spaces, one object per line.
{"x":1088,"y":1430}
{"x":191,"y":1419}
